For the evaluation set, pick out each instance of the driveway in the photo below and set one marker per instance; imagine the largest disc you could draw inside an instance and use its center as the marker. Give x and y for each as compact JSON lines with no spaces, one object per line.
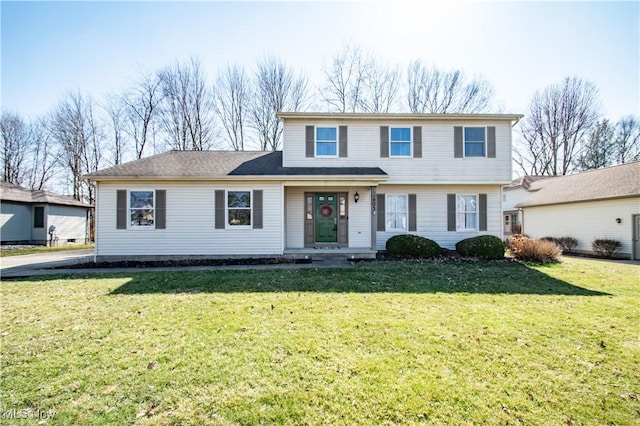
{"x":28,"y":264}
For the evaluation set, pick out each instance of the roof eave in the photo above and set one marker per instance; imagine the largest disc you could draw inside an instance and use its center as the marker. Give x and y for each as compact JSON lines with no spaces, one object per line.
{"x":395,"y":116}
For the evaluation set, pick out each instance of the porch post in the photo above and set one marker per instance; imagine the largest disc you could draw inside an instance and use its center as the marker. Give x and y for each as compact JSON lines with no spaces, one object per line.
{"x":374,"y":228}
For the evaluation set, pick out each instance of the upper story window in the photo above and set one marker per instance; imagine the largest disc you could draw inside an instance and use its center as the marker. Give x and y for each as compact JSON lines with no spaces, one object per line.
{"x":327,"y":141}
{"x":474,"y":141}
{"x":400,"y":141}
{"x":141,"y":209}
{"x":239,"y":208}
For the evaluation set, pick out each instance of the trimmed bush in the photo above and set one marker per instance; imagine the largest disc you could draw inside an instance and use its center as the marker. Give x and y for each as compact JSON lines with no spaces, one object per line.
{"x":409,"y":245}
{"x":531,"y":250}
{"x":567,"y":244}
{"x":605,"y":247}
{"x":483,"y":246}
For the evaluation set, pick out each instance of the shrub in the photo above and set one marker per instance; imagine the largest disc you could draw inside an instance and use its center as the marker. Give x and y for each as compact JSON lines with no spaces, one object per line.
{"x":532,"y":250}
{"x":605,"y":247}
{"x":551,"y":240}
{"x":567,"y":244}
{"x":483,"y":246}
{"x":409,"y":245}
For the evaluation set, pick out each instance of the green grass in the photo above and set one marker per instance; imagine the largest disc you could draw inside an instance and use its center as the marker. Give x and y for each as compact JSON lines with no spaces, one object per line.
{"x":381,"y":343}
{"x":43,"y":249}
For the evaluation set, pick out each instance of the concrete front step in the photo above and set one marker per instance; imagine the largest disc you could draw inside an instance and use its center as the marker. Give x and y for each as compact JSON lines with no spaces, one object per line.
{"x":334,"y":253}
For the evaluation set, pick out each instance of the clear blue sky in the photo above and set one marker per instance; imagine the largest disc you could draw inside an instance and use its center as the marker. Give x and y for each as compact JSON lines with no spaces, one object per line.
{"x":50,"y":48}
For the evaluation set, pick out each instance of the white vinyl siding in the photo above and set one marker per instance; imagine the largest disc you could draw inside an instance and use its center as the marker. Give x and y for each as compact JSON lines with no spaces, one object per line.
{"x":190,"y":222}
{"x":585,"y":222}
{"x":431,"y":208}
{"x":71,"y":223}
{"x":437,"y":164}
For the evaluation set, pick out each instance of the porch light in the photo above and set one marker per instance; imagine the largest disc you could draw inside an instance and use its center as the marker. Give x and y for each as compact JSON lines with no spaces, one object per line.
{"x":356,"y":197}
{"x":618,"y":220}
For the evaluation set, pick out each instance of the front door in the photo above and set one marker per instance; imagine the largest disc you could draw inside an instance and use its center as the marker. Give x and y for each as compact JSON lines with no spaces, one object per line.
{"x":326,"y":215}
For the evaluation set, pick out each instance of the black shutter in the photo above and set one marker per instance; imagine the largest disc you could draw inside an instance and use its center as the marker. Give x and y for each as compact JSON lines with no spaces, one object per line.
{"x":457,"y":142}
{"x":380,"y":212}
{"x":451,"y":212}
{"x":412,"y":213}
{"x":219,"y":209}
{"x":384,"y":141}
{"x":417,"y":142}
{"x":491,"y":142}
{"x":161,"y":209}
{"x":257,"y":209}
{"x":121,"y":209}
{"x":310,"y":139}
{"x":342,"y":130}
{"x":482,"y":207}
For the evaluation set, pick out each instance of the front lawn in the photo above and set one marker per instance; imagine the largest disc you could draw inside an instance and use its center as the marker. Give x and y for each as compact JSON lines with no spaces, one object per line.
{"x":380,"y":343}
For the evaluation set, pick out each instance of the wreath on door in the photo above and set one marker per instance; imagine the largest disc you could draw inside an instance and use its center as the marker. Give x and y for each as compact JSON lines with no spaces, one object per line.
{"x":326,"y":211}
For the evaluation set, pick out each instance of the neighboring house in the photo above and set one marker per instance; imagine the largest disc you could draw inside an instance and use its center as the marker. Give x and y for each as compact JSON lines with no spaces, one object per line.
{"x":603,"y":203}
{"x":512,"y":194}
{"x":27,"y":216}
{"x":343,"y":183}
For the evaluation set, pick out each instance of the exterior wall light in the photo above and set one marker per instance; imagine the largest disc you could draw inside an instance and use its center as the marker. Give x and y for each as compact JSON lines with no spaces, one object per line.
{"x":618,"y":220}
{"x":356,"y":197}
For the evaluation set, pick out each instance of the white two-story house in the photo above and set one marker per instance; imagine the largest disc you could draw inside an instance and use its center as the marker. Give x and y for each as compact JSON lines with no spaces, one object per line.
{"x":342,"y":184}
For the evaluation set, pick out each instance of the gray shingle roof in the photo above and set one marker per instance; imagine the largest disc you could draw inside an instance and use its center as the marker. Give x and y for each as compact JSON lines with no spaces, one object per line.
{"x":212,"y":164}
{"x":621,"y":181}
{"x":18,"y":194}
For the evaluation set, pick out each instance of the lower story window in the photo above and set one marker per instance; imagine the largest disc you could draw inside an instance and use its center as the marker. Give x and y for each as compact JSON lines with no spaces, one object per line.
{"x":141,"y":208}
{"x":466,"y":213}
{"x":239,"y":208}
{"x":396,"y":212}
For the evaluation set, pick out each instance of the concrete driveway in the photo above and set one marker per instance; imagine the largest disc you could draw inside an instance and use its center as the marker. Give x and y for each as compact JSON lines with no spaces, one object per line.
{"x":28,"y":264}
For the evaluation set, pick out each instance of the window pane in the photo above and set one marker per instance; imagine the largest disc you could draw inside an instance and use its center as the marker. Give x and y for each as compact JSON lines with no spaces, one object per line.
{"x":141,"y":199}
{"x":396,"y":212}
{"x":400,"y":149}
{"x":326,"y":134}
{"x":239,"y":217}
{"x":400,"y":134}
{"x":474,"y":134}
{"x":326,"y":148}
{"x":238,"y":199}
{"x":141,"y":217}
{"x":474,"y":149}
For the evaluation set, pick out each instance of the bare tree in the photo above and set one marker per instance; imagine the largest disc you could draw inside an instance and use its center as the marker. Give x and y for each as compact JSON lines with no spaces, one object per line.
{"x":432,"y":90}
{"x":115,"y":107}
{"x":345,"y":79}
{"x":559,"y":118}
{"x":627,"y":140}
{"x":141,"y":103}
{"x":74,"y":127}
{"x":44,"y":155}
{"x":186,"y":109}
{"x":598,"y":149}
{"x":16,"y":141}
{"x":381,"y":88}
{"x":277,"y":88}
{"x":231,"y":98}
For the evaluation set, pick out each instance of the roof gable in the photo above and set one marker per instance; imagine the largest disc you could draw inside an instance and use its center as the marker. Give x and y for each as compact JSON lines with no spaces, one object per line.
{"x":622,"y":181}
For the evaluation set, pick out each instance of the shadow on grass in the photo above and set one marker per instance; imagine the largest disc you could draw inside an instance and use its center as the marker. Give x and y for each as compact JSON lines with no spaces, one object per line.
{"x":375,"y":277}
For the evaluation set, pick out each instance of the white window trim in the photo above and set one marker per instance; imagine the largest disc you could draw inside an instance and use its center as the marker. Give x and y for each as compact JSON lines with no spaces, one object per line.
{"x":227,"y":225}
{"x":140,"y":227}
{"x":386,"y":205}
{"x":458,"y":228}
{"x":410,"y":142}
{"x":464,"y":142}
{"x":315,"y":141}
